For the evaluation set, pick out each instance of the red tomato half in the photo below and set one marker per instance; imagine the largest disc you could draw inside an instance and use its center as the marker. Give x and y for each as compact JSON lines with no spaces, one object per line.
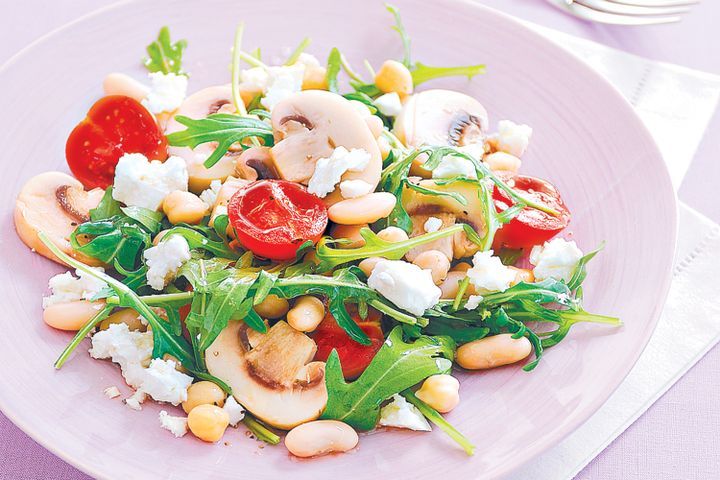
{"x":530,"y":227}
{"x":354,"y":357}
{"x":114,"y":126}
{"x":272,"y":218}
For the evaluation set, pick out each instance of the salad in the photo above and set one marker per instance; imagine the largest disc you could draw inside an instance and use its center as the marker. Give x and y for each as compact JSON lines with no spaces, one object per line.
{"x":306,"y":249}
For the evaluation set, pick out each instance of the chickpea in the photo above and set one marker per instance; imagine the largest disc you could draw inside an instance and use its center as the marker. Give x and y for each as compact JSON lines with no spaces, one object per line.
{"x":349,"y":232}
{"x":320,"y":437}
{"x":208,"y":422}
{"x":315,"y":78}
{"x":393,"y":234}
{"x":436,"y":262}
{"x":394,"y":77}
{"x":461,"y":267}
{"x":501,"y":161}
{"x":440,"y":392}
{"x":366,"y":209}
{"x":368,"y":265}
{"x":121,"y":84}
{"x":306,"y":314}
{"x":490,"y":352}
{"x":450,"y":286}
{"x":272,"y":307}
{"x":522,"y":275}
{"x":71,"y":316}
{"x":128,"y":316}
{"x":184,"y":207}
{"x":203,"y":393}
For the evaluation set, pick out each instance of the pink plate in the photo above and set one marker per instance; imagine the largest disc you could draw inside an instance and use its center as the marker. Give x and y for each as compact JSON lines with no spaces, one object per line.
{"x":587,"y":140}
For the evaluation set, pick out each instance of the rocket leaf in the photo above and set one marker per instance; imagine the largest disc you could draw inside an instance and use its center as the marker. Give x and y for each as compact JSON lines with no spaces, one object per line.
{"x":163,"y":55}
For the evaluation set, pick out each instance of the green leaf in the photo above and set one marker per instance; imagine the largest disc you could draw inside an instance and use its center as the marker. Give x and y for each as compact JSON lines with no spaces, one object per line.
{"x":580,"y":271}
{"x":196,"y":239}
{"x":509,"y":256}
{"x":224,"y":128}
{"x":421,"y":73}
{"x":118,"y":239}
{"x":150,"y":219}
{"x":163,"y":55}
{"x":107,"y":208}
{"x":435,"y":417}
{"x":295,"y":55}
{"x":400,"y":29}
{"x":397,"y":366}
{"x":334,"y":64}
{"x":260,"y":431}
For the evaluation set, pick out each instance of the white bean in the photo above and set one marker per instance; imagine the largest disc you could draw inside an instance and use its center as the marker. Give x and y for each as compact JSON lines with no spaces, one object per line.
{"x":121,"y":84}
{"x":320,"y":437}
{"x":71,"y":316}
{"x":436,"y":262}
{"x":366,"y":209}
{"x":501,"y":161}
{"x":493,"y":352}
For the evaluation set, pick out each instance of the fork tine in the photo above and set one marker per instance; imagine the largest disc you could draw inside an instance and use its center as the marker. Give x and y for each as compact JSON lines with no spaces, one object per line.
{"x":624,"y":9}
{"x":657,"y":3}
{"x":592,"y":15}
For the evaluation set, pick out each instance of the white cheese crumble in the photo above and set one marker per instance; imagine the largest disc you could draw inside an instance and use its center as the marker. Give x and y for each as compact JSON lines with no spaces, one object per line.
{"x":402,"y":414}
{"x":453,"y":166}
{"x":308,"y":60}
{"x":67,"y":288}
{"x":389,"y":104}
{"x":112,"y":392}
{"x":473,"y":302}
{"x":355,"y":188}
{"x":513,"y":138}
{"x":165,"y":259}
{"x":135,"y":401}
{"x":405,"y":284}
{"x":142,"y":183}
{"x":209,"y":196}
{"x":329,"y":171}
{"x":555,"y":259}
{"x":178,"y":426}
{"x":164,"y":383}
{"x":488,"y":274}
{"x":167,"y":92}
{"x":276,"y":83}
{"x":432,"y":224}
{"x":234,"y":410}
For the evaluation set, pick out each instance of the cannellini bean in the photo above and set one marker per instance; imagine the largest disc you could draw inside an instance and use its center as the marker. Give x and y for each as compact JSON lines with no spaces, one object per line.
{"x":203,"y":393}
{"x":393,"y":234}
{"x":121,"y":84}
{"x":522,"y":275}
{"x":501,"y":161}
{"x":349,"y":232}
{"x":306,"y":314}
{"x":441,"y":392}
{"x":366,"y":209}
{"x":272,"y":307}
{"x":493,"y":352}
{"x":393,"y":76}
{"x":368,"y":265}
{"x":128,"y":316}
{"x":320,"y":437}
{"x":184,"y":207}
{"x":315,"y":78}
{"x":450,"y":286}
{"x":384,"y":146}
{"x":375,"y":124}
{"x":436,"y":262}
{"x":208,"y":422}
{"x":71,"y":316}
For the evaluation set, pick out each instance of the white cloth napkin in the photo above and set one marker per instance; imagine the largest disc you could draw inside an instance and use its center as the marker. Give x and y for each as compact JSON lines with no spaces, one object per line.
{"x":676,"y":104}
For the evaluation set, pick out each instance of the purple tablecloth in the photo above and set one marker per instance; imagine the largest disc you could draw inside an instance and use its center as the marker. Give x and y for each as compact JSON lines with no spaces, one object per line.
{"x":677,"y":437}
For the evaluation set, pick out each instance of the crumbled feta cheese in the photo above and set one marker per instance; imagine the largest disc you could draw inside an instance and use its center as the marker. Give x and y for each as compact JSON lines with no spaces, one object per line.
{"x":112,"y":392}
{"x":555,"y":259}
{"x":164,"y":383}
{"x":135,"y":400}
{"x":432,"y":224}
{"x":129,"y":349}
{"x":256,"y":78}
{"x":355,"y":188}
{"x":67,"y":288}
{"x":389,"y":104}
{"x":167,"y":92}
{"x":308,"y":60}
{"x":329,"y":171}
{"x":165,"y":259}
{"x":405,"y":284}
{"x":402,"y":414}
{"x":209,"y":196}
{"x":142,"y":183}
{"x":453,"y":166}
{"x":473,"y":302}
{"x":178,"y":426}
{"x":513,"y":138}
{"x":281,"y":83}
{"x":488,"y":274}
{"x":234,"y":410}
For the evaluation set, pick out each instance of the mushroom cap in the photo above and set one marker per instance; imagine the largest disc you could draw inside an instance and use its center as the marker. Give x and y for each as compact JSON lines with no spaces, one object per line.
{"x":273,"y":380}
{"x":310,"y":125}
{"x":199,"y":105}
{"x":54,"y":203}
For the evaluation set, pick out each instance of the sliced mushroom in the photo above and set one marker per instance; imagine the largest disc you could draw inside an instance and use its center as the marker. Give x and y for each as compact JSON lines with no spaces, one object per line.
{"x":275,"y":379}
{"x":54,"y":203}
{"x":256,"y":163}
{"x":199,"y":105}
{"x":422,"y":206}
{"x":310,"y":125}
{"x":227,"y":190}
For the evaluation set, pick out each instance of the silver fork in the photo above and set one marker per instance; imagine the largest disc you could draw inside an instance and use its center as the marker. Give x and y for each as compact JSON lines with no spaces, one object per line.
{"x":627,"y":12}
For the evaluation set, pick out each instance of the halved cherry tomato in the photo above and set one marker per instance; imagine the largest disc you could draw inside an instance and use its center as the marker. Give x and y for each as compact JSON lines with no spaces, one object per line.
{"x":114,"y":126}
{"x":272,"y":218}
{"x":354,"y":357}
{"x":531,"y":226}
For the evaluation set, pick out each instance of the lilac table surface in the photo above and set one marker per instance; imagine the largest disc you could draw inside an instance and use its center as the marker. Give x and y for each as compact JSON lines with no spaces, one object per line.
{"x":677,"y":437}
